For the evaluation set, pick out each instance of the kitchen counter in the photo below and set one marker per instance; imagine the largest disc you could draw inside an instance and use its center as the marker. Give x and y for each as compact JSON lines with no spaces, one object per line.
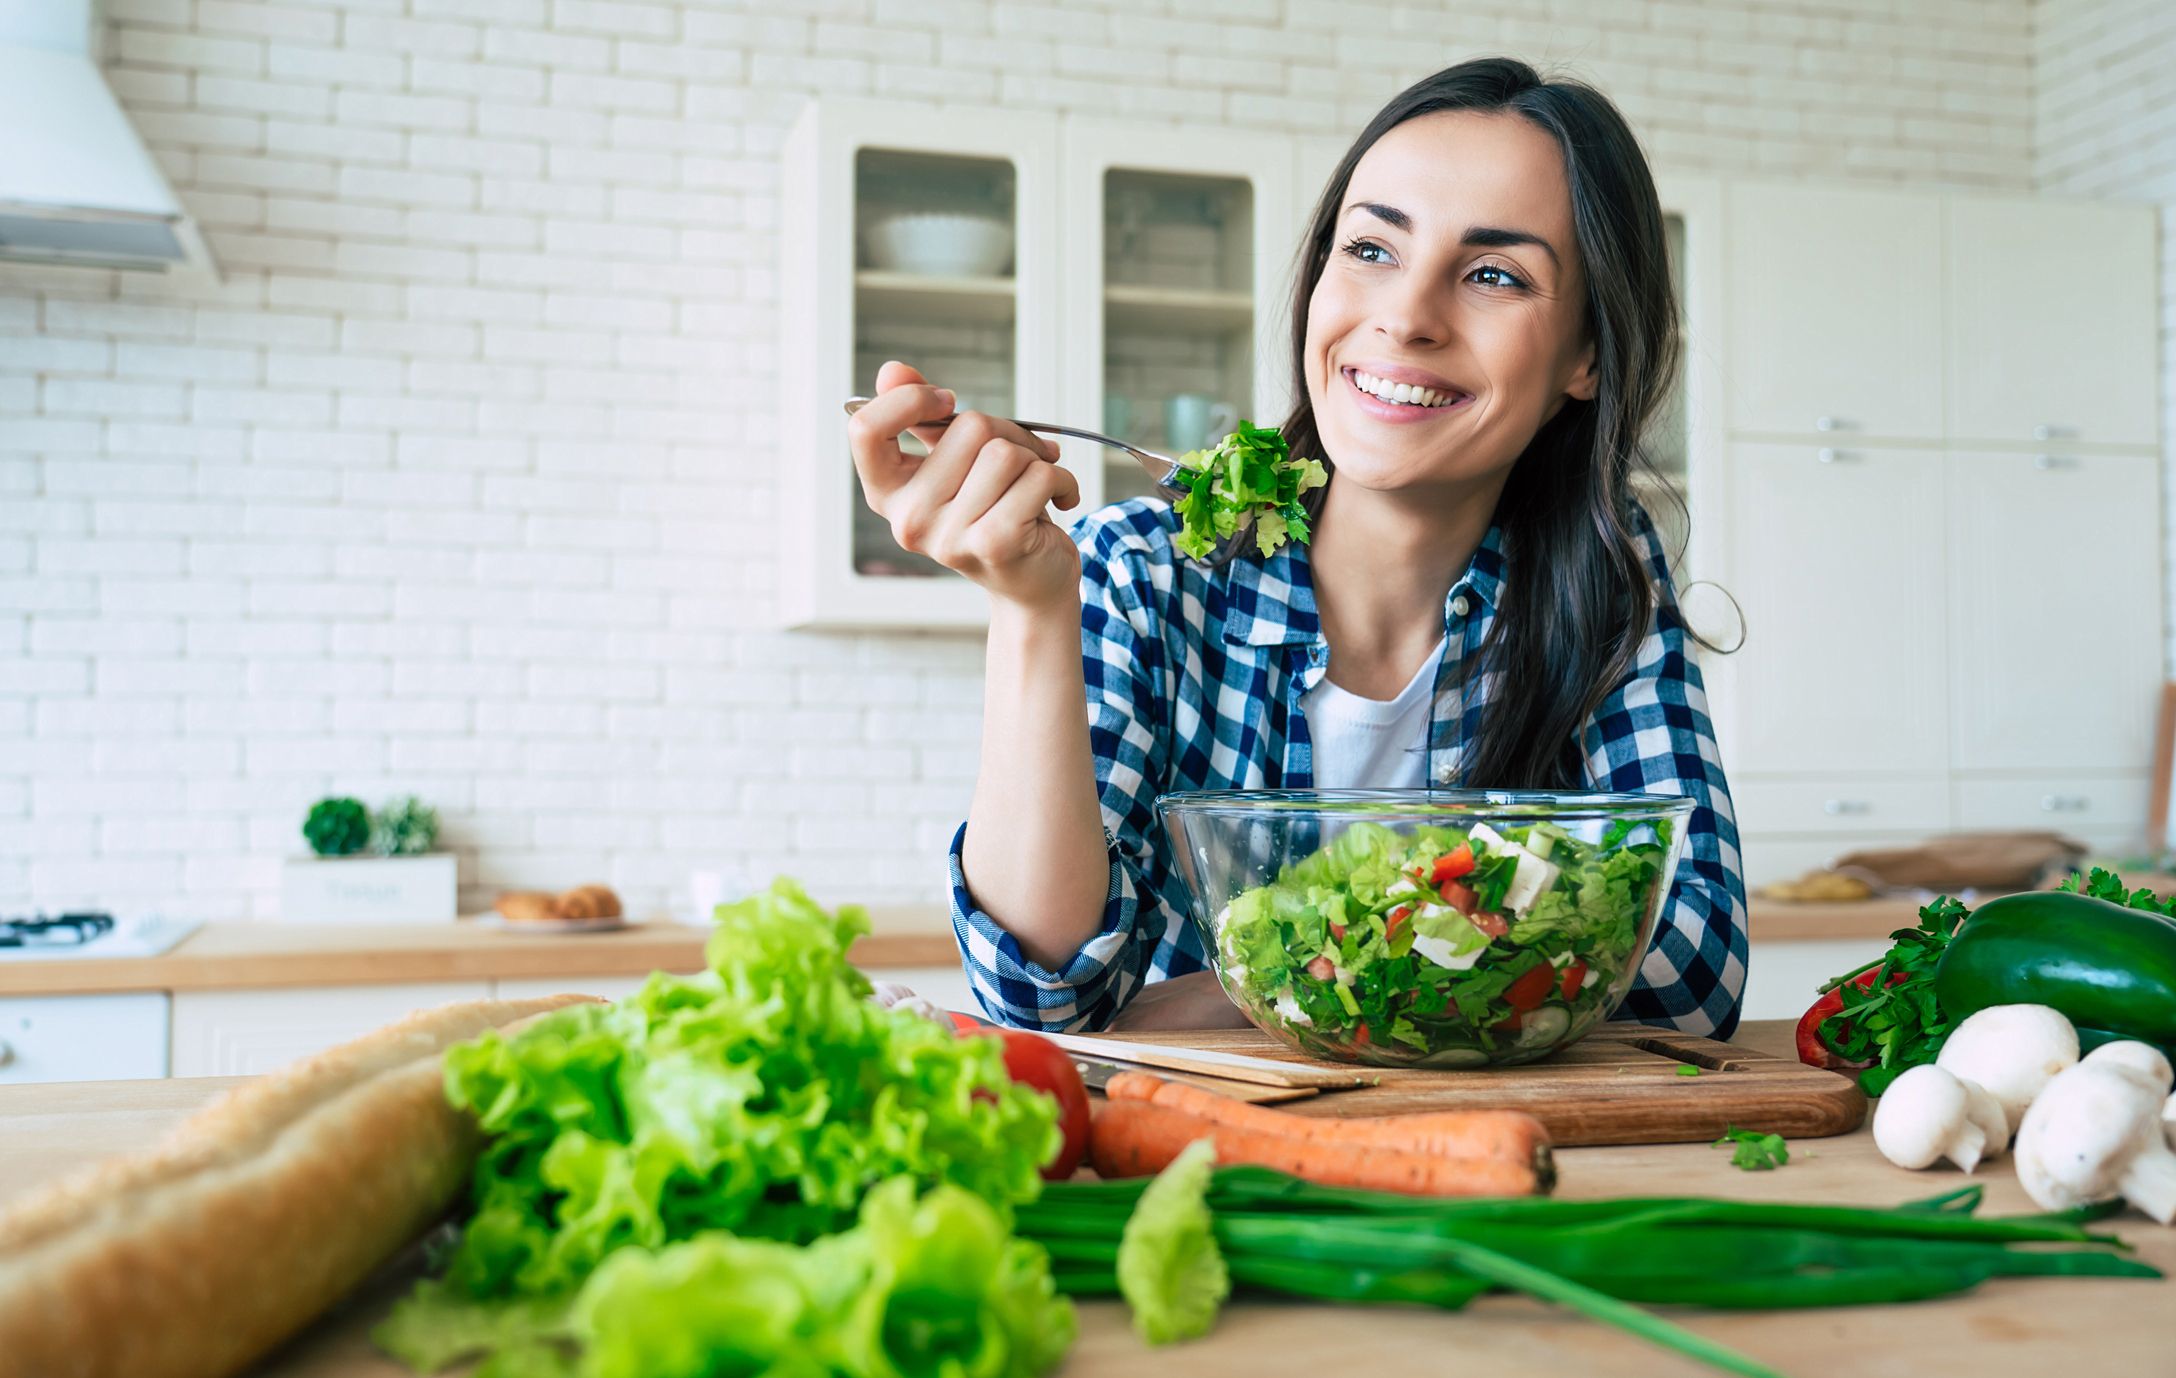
{"x":242,"y":956}
{"x":248,"y":956}
{"x":2032,"y":1326}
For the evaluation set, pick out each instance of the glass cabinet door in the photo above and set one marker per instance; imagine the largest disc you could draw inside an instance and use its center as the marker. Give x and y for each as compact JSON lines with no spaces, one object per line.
{"x":1178,"y":315}
{"x":935,"y":243}
{"x":1188,"y":238}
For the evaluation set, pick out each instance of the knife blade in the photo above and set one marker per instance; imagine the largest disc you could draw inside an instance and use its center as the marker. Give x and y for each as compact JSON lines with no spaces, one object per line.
{"x":1097,"y":1073}
{"x":1261,"y":1071}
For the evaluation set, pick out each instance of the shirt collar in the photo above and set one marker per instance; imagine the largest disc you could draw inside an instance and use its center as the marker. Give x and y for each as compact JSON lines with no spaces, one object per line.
{"x":1272,"y":602}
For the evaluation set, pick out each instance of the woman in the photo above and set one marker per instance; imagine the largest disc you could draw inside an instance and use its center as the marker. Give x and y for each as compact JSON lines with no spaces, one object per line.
{"x":1483,"y":324}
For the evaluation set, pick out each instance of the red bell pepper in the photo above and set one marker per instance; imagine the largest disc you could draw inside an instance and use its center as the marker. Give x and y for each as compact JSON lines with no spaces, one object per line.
{"x":1453,"y":864}
{"x":1811,"y":1050}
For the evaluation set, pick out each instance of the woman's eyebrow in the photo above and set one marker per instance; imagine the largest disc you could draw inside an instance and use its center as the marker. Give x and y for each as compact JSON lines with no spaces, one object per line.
{"x":1476,"y":236}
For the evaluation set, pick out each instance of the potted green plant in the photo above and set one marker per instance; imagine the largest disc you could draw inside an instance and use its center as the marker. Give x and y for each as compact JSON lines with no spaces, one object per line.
{"x":370,"y":866}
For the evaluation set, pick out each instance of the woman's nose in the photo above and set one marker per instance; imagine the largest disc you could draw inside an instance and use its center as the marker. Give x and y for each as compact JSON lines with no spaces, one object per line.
{"x":1413,"y":313}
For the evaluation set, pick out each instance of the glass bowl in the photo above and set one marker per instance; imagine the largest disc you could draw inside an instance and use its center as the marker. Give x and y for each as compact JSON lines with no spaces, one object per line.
{"x":1425,"y":928}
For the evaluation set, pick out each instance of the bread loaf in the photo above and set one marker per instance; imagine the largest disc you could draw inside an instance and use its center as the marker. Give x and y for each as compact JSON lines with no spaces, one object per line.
{"x":199,"y":1254}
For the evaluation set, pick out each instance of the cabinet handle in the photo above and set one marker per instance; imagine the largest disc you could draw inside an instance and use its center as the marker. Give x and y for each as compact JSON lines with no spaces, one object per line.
{"x":1837,"y":807}
{"x":1829,"y":456}
{"x":2048,"y":430}
{"x":2066,"y":803}
{"x":2054,"y":462}
{"x":1831,"y":423}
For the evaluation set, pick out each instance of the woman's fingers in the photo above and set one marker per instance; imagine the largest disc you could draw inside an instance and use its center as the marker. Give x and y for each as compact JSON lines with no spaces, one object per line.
{"x":1008,"y":522}
{"x":872,"y":434}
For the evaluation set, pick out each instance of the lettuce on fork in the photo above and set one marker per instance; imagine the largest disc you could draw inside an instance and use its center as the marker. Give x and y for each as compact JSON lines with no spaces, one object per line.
{"x":1249,"y":475}
{"x":765,"y":1104}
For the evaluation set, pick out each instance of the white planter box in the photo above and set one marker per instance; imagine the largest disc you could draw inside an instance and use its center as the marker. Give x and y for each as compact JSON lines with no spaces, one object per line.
{"x":393,"y":889}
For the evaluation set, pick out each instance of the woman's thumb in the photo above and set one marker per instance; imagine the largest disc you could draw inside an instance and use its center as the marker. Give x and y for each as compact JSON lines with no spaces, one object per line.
{"x":895,"y":374}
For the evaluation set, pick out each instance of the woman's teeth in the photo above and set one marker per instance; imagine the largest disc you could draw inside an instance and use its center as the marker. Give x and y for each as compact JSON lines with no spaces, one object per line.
{"x":1402,"y":392}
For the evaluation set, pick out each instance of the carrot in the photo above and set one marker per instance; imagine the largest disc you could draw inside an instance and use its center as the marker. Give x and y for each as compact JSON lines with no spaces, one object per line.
{"x":1508,"y":1134}
{"x":1135,"y":1138}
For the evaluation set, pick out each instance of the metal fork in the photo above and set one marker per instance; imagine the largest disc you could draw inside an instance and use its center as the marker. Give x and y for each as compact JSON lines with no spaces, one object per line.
{"x":1162,"y":469}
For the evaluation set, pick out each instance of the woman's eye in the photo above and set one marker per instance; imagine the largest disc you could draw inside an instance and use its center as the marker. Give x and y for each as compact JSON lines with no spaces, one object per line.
{"x":1505,"y":277}
{"x":1368,"y":251}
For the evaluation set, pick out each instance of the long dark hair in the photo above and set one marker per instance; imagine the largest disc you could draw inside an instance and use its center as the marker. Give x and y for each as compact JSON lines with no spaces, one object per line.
{"x":1578,"y":597}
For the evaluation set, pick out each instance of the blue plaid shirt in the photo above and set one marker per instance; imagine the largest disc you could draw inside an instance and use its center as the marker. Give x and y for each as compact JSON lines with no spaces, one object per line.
{"x":1194,"y":678}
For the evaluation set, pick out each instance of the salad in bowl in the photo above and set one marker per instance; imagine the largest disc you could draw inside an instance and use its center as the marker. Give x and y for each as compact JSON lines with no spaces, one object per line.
{"x":1433,"y":928}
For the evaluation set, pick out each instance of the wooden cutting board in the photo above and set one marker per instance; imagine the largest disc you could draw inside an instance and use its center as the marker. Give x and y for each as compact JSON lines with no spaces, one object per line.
{"x":1618,"y":1085}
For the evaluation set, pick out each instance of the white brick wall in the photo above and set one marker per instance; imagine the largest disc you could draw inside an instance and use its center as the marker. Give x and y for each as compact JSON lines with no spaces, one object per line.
{"x":460,"y":484}
{"x":2104,"y":124}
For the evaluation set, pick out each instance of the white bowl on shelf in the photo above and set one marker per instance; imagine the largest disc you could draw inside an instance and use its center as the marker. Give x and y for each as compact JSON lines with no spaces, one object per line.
{"x":939,"y":244}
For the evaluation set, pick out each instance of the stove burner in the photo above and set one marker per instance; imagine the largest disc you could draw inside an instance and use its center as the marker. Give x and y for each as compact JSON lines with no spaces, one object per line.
{"x":66,"y":930}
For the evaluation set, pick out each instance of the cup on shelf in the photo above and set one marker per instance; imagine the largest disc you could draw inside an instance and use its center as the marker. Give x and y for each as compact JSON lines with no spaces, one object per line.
{"x":1193,"y":421}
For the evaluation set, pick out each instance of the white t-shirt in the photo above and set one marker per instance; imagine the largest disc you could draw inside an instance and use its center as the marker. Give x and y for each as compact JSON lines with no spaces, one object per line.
{"x":1367,"y":743}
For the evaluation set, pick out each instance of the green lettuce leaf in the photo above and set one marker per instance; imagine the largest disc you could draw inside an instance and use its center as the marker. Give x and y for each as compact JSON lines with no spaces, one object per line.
{"x":1250,"y":475}
{"x":1169,"y":1268}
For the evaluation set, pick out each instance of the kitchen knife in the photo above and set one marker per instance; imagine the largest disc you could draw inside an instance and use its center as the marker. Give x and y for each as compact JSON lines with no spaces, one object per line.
{"x":1097,"y":1073}
{"x":1261,"y":1071}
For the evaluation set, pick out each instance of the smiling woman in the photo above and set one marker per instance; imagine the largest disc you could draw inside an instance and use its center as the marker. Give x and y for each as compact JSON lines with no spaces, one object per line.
{"x":1483,"y":330}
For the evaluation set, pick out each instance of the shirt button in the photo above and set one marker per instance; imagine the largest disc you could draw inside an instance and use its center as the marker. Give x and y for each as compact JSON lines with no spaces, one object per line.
{"x":1459,"y":605}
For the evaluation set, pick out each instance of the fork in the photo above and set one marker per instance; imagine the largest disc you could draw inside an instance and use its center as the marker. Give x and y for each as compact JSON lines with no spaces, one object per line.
{"x":1162,"y":469}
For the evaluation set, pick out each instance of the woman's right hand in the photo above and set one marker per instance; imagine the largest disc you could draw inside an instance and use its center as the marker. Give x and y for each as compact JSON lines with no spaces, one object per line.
{"x":976,"y":502}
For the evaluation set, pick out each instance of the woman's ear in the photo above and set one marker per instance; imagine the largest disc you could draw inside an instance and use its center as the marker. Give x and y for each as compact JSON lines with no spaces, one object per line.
{"x":1584,"y":382}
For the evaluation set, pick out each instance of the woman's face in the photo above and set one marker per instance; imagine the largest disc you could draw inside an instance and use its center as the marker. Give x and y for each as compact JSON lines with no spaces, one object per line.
{"x":1452,"y":270}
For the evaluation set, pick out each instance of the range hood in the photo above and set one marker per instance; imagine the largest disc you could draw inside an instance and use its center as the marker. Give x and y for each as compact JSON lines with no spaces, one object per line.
{"x":76,"y":184}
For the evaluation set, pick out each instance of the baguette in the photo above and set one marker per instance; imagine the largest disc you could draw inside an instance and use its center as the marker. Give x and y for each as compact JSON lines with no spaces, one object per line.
{"x":199,"y":1254}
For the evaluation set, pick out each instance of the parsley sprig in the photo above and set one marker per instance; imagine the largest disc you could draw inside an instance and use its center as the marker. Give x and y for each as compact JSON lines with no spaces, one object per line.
{"x":1753,"y":1151}
{"x":1893,"y":1022}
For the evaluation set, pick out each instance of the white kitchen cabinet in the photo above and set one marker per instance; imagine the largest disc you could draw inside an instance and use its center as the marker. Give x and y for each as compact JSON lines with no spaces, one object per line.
{"x":2051,"y":325}
{"x":1835,"y":310}
{"x":1783,"y":978}
{"x":115,"y":1037}
{"x":2055,"y":596}
{"x":1839,"y":571}
{"x":858,"y":285}
{"x":1766,"y":856}
{"x":1177,"y":250}
{"x":2104,"y":811}
{"x":1840,"y":804}
{"x":246,"y":1032}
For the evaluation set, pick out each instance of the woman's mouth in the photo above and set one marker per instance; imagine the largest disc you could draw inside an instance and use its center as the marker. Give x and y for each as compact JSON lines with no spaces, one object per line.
{"x":1388,"y":401}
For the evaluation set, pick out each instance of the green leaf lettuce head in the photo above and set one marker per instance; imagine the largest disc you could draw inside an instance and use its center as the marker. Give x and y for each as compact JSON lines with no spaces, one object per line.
{"x":1250,"y":475}
{"x":1169,"y":1268}
{"x":764,"y":1097}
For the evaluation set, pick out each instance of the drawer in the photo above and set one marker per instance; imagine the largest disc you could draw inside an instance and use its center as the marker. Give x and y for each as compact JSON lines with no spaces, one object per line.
{"x":2074,"y":803}
{"x":1914,"y":804}
{"x":224,"y":1033}
{"x":1769,"y":859}
{"x":83,"y":1037}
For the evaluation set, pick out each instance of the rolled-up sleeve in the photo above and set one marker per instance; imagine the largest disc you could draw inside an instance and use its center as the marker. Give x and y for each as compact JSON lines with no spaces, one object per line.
{"x":1653,"y":736}
{"x":1145,"y":934}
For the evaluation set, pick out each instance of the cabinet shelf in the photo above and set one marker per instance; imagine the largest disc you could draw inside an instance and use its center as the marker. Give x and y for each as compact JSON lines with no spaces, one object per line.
{"x":1182,"y":310}
{"x":983,"y":300}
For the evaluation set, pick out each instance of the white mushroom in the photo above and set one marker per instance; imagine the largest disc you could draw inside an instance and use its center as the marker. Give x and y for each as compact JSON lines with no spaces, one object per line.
{"x":2011,"y":1050}
{"x":2143,"y":1058}
{"x":2095,"y":1133}
{"x":1927,"y":1114}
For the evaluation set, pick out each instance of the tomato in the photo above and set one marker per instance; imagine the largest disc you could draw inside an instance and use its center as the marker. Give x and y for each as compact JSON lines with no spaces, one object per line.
{"x":1397,"y":916}
{"x":1360,"y":1035}
{"x":1322,"y":969}
{"x":1530,"y":990}
{"x":1337,"y":932}
{"x":1575,"y":976}
{"x":1452,"y":865}
{"x":1491,"y":923}
{"x":1032,"y":1060}
{"x":1459,"y":897}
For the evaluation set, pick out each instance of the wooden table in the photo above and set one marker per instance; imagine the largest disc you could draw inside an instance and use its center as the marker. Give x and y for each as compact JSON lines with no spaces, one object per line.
{"x":2028,"y":1326}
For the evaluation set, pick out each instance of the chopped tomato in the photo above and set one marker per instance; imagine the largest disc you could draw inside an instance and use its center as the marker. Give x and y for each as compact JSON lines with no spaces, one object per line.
{"x":1530,"y":990}
{"x":1337,"y":932}
{"x":1491,"y":923}
{"x":1452,"y":865}
{"x":1575,"y":976}
{"x":1322,"y":969}
{"x":1459,"y":896}
{"x":1360,"y":1035}
{"x":1397,"y":916}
